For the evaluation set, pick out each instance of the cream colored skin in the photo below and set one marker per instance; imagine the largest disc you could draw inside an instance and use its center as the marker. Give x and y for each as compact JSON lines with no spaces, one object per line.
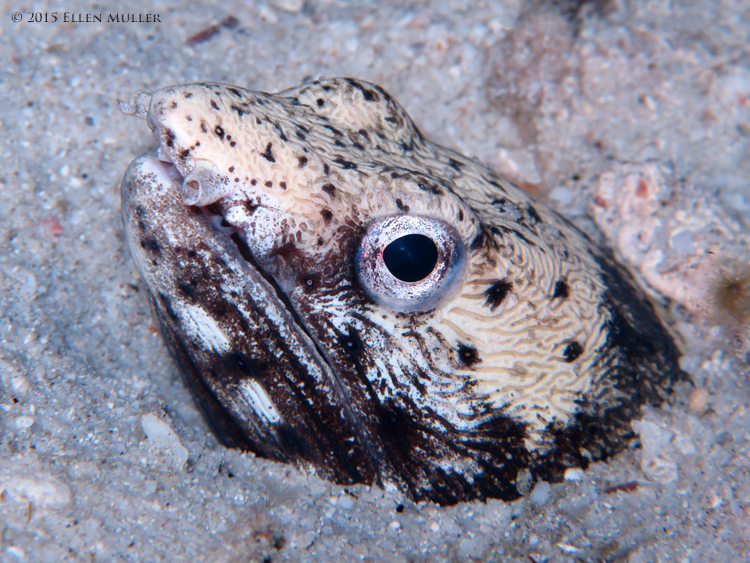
{"x":267,"y":163}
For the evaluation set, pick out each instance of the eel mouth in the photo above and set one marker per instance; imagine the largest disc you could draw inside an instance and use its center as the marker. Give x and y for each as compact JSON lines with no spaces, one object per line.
{"x":153,"y":210}
{"x":212,"y":205}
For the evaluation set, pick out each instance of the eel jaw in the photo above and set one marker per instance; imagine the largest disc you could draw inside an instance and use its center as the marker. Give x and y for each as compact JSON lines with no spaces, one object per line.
{"x":244,"y":351}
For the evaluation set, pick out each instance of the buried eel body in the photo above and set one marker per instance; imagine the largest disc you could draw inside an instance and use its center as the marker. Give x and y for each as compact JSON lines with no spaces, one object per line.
{"x":343,"y":294}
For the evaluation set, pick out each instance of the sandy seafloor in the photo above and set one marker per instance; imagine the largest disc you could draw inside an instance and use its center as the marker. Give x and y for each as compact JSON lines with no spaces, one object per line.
{"x":576,"y":104}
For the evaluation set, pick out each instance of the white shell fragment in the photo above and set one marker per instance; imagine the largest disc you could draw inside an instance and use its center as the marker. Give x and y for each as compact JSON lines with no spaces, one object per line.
{"x":163,"y":442}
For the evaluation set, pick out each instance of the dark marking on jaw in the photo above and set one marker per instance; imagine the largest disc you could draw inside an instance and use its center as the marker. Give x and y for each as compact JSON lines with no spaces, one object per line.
{"x":309,"y":281}
{"x":302,"y":161}
{"x":345,"y":164}
{"x":468,"y":355}
{"x":326,"y":169}
{"x":496,"y":293}
{"x":533,"y":215}
{"x":333,"y":130}
{"x":321,"y":102}
{"x":184,"y":153}
{"x":572,"y":351}
{"x":269,"y":184}
{"x":400,"y":204}
{"x":494,"y":181}
{"x":480,"y":241}
{"x":231,"y":168}
{"x":485,"y":239}
{"x":187,"y":95}
{"x":141,"y":223}
{"x":395,"y":427}
{"x":327,"y":215}
{"x":456,"y":165}
{"x":219,"y":132}
{"x":280,"y":131}
{"x":169,"y":134}
{"x":351,"y":342}
{"x":500,"y":204}
{"x":151,"y":244}
{"x":517,"y":233}
{"x":188,"y":289}
{"x":234,"y":91}
{"x":204,"y":129}
{"x":287,"y":250}
{"x":430,"y":187}
{"x":268,"y":154}
{"x":330,"y":189}
{"x":561,"y":289}
{"x":214,"y":105}
{"x":370,"y":95}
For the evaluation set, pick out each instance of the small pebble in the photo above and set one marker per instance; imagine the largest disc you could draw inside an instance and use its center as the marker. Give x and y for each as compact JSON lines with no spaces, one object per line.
{"x":698,"y":400}
{"x":346,"y":502}
{"x":574,"y":474}
{"x":541,"y":493}
{"x":291,"y":6}
{"x":162,"y":439}
{"x":24,"y":422}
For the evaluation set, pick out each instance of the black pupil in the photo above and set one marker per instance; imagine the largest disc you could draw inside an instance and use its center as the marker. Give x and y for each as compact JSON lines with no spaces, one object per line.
{"x":411,"y":258}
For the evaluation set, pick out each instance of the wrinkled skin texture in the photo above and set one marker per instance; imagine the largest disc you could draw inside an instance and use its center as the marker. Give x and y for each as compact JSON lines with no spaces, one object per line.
{"x":247,"y":225}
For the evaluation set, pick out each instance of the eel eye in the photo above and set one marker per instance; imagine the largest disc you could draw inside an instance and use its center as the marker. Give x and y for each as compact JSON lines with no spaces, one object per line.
{"x":410,"y":263}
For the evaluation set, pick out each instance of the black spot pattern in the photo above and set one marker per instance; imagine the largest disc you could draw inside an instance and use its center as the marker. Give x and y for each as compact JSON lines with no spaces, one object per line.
{"x":496,"y":293}
{"x":345,"y":164}
{"x":561,"y":290}
{"x":151,"y":244}
{"x":468,"y":355}
{"x":572,"y":351}
{"x":268,"y":153}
